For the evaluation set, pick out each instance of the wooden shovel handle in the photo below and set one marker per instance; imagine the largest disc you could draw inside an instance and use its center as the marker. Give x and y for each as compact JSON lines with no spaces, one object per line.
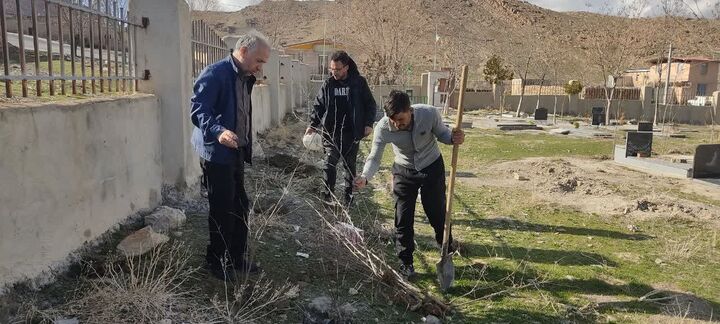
{"x":453,"y":164}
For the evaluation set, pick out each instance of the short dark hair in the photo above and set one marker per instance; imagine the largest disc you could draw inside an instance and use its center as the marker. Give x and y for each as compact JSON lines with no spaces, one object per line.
{"x":344,"y":58}
{"x":398,"y":102}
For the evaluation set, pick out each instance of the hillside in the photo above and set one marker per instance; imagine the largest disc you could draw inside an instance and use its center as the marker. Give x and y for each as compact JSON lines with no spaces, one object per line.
{"x":472,"y":30}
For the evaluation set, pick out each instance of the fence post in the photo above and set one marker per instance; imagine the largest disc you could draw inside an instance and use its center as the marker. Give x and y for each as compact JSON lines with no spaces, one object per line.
{"x":165,"y":52}
{"x":272,"y":74}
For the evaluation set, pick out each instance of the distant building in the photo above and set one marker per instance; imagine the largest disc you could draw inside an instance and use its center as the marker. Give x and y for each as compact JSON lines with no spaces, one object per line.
{"x":690,"y":77}
{"x":315,"y":53}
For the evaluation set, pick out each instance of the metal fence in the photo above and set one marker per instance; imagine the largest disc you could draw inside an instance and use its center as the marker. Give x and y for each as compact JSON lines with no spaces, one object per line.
{"x":207,"y":46}
{"x":82,"y":46}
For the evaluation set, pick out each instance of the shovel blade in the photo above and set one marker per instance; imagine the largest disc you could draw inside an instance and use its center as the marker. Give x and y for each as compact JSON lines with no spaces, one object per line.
{"x":445,"y":271}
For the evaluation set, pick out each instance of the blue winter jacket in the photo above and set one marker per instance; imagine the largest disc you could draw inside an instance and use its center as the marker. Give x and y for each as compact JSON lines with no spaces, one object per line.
{"x":213,"y":109}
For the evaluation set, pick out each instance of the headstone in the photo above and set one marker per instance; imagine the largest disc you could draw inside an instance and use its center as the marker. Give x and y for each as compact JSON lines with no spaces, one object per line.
{"x":645,"y":127}
{"x":541,"y":114}
{"x":706,"y":163}
{"x":638,"y":144}
{"x":598,"y":116}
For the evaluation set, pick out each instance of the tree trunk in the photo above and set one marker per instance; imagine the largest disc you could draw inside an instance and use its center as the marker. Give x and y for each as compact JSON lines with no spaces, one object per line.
{"x":522,"y":95}
{"x":609,"y":103}
{"x":522,"y":87}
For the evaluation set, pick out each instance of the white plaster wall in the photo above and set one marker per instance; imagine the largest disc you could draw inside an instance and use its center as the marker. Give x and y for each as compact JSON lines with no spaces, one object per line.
{"x":69,"y":172}
{"x":262,"y":118}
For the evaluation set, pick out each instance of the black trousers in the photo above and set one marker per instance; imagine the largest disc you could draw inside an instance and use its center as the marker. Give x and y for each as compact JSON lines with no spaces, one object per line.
{"x":430,"y":181}
{"x":229,"y":209}
{"x":340,"y":148}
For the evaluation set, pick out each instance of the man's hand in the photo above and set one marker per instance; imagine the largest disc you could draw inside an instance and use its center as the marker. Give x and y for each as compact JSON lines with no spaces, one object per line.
{"x":229,"y":139}
{"x":368,"y":131}
{"x":309,"y":131}
{"x":458,"y":136}
{"x":360,"y":182}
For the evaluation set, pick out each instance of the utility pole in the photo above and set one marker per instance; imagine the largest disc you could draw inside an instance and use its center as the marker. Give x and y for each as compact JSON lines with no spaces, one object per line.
{"x":658,"y":68}
{"x":435,"y":54}
{"x":667,"y":82}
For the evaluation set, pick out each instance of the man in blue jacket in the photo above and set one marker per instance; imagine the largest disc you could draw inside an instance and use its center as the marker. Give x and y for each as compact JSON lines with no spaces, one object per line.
{"x":344,"y":112}
{"x":221,"y":111}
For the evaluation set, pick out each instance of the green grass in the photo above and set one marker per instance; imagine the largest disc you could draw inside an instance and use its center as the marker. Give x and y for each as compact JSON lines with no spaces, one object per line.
{"x":572,"y":254}
{"x":108,"y":87}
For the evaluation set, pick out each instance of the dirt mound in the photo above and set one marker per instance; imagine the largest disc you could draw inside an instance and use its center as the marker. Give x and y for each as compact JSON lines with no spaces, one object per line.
{"x":600,"y":187}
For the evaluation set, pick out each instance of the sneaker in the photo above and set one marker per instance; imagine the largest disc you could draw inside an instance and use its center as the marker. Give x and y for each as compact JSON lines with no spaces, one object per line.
{"x":247,"y":268}
{"x":407,"y":270}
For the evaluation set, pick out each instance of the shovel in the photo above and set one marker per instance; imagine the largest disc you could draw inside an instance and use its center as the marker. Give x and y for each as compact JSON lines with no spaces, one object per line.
{"x":445,"y":268}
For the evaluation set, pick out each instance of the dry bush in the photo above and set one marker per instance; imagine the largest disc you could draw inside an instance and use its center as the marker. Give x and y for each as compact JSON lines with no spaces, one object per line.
{"x":144,"y":289}
{"x":250,"y":301}
{"x":681,"y":250}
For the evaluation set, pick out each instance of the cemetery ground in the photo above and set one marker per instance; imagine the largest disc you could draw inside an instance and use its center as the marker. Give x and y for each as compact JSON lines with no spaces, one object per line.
{"x":550,"y":230}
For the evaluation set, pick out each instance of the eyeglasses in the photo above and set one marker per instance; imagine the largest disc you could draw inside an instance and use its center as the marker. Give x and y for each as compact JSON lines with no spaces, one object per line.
{"x":337,"y":69}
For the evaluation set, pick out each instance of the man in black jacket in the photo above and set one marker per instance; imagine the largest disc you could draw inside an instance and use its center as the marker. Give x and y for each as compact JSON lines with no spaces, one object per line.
{"x":344,"y":112}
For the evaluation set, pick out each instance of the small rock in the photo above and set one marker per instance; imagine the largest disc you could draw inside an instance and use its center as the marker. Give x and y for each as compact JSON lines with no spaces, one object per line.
{"x":658,"y":261}
{"x":321,"y":304}
{"x":353,"y":291}
{"x":348,"y":309}
{"x":431,"y":319}
{"x":350,"y":232}
{"x":141,"y":242}
{"x":67,"y":321}
{"x":633,"y":228}
{"x":519,"y":177}
{"x":626,"y":211}
{"x":293,"y":292}
{"x":570,"y":278}
{"x":303,"y":255}
{"x":561,"y":131}
{"x":164,"y":218}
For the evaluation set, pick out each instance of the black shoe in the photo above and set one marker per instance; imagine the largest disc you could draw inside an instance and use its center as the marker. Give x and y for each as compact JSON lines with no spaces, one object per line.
{"x":247,"y":268}
{"x":221,"y":274}
{"x":407,"y":270}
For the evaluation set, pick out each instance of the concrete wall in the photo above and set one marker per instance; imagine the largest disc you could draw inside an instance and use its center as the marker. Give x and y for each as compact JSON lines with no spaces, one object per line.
{"x":69,"y":172}
{"x":262,"y":117}
{"x":380,"y":91}
{"x":164,"y":50}
{"x":474,"y":100}
{"x":629,"y":109}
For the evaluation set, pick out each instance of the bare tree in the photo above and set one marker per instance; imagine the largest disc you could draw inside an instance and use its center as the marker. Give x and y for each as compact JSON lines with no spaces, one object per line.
{"x":612,"y":55}
{"x":384,"y":33}
{"x":524,"y":73}
{"x":204,"y":5}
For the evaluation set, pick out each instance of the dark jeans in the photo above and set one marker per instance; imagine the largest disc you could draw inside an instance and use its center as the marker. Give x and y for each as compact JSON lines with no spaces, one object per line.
{"x":229,"y":208}
{"x":406,"y":183}
{"x":346,"y":148}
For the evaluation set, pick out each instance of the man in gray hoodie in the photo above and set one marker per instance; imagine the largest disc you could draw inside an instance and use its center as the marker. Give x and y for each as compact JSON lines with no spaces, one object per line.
{"x":413,"y":132}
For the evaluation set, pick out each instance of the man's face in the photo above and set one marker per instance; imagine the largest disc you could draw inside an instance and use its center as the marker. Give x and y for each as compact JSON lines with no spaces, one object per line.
{"x":402,"y":120}
{"x":338,"y":70}
{"x":252,"y":60}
